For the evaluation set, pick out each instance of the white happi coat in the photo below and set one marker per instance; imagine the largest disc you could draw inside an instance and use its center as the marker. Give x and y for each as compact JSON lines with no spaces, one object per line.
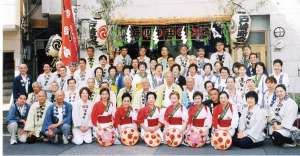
{"x":71,"y":98}
{"x":45,"y":81}
{"x":105,"y":70}
{"x":206,"y":60}
{"x":220,"y":84}
{"x":63,"y":84}
{"x":78,"y":113}
{"x":81,"y":79}
{"x":241,"y":85}
{"x":137,"y":79}
{"x":226,"y":63}
{"x":283,"y":78}
{"x":91,"y":62}
{"x":204,"y":114}
{"x":120,"y":59}
{"x":199,"y":83}
{"x":253,"y":122}
{"x":209,"y":77}
{"x":238,"y":100}
{"x":146,"y":60}
{"x":262,"y":87}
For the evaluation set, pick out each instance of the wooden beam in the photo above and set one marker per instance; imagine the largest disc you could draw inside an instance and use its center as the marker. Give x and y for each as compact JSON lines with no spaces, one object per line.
{"x":39,"y":23}
{"x":174,"y":20}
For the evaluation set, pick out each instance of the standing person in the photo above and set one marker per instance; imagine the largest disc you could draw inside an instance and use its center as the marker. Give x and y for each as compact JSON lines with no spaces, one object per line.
{"x":151,"y":71}
{"x":126,"y":72}
{"x":183,"y":58}
{"x":164,"y":58}
{"x":143,"y":57}
{"x":16,"y":119}
{"x":129,"y":88}
{"x":72,"y":68}
{"x":221,"y":81}
{"x":124,"y":58}
{"x":251,"y":69}
{"x":73,"y":94}
{"x":51,"y":95}
{"x":91,"y":59}
{"x":208,"y":85}
{"x":282,"y":78}
{"x":81,"y":117}
{"x":192,"y":60}
{"x":245,"y":60}
{"x":58,"y":119}
{"x":251,"y":124}
{"x":135,"y":67}
{"x":82,"y":75}
{"x":35,"y":118}
{"x":140,"y":99}
{"x":46,"y":78}
{"x":103,"y":64}
{"x":170,"y":64}
{"x":221,"y":55}
{"x":157,"y":79}
{"x":187,"y":95}
{"x":282,"y":118}
{"x":201,"y":60}
{"x":32,"y":97}
{"x":199,"y":83}
{"x":241,"y":79}
{"x":22,"y":83}
{"x":140,"y":75}
{"x":225,"y":115}
{"x":94,"y":91}
{"x":178,"y":79}
{"x":208,"y":75}
{"x":62,"y":80}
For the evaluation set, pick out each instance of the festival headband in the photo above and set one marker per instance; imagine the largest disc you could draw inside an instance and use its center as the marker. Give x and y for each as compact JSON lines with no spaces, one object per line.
{"x":72,"y":64}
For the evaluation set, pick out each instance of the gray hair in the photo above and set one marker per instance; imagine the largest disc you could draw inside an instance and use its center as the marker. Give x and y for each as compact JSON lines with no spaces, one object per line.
{"x":145,"y":79}
{"x":190,"y":78}
{"x":54,"y":82}
{"x":92,"y":79}
{"x":35,"y":83}
{"x":171,"y":73}
{"x":44,"y":92}
{"x":125,"y":77}
{"x":60,"y":62}
{"x":193,"y":56}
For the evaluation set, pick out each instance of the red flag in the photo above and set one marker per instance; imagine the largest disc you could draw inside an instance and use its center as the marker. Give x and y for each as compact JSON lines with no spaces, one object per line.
{"x":69,"y":35}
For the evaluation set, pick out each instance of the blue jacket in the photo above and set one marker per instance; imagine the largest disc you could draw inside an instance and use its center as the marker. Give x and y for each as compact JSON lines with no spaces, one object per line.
{"x":13,"y":115}
{"x":120,"y":83}
{"x":249,"y":69}
{"x":185,"y":100}
{"x":51,"y":117}
{"x":18,"y":88}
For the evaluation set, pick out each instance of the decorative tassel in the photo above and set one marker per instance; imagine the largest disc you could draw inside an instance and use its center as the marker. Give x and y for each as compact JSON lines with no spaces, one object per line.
{"x":140,"y":38}
{"x":189,"y":38}
{"x":173,"y":38}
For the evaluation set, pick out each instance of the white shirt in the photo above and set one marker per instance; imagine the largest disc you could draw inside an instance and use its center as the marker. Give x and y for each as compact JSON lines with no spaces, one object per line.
{"x":46,"y":80}
{"x":22,"y":110}
{"x":105,"y":70}
{"x":81,"y":79}
{"x":59,"y":115}
{"x":26,"y":82}
{"x":132,"y":72}
{"x":167,"y":101}
{"x":146,"y":60}
{"x":191,"y":96}
{"x":120,"y":59}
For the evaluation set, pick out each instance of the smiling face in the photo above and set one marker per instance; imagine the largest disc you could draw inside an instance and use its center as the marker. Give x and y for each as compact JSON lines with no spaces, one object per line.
{"x":158,"y":69}
{"x":36,"y":88}
{"x":119,"y":67}
{"x":223,"y":99}
{"x":54,"y":87}
{"x":174,"y":100}
{"x":209,"y":86}
{"x":59,"y":96}
{"x":246,"y":51}
{"x":242,"y":71}
{"x":277,"y":67}
{"x":183,"y":50}
{"x":142,"y":68}
{"x":253,"y":59}
{"x":271,"y":85}
{"x":217,"y":67}
{"x":175,"y":70}
{"x":259,"y":69}
{"x":219,"y":47}
{"x":207,"y":70}
{"x":46,"y":68}
{"x":126,"y":102}
{"x":124,"y":52}
{"x":22,"y":100}
{"x":127,"y":81}
{"x":145,"y":84}
{"x":214,"y":95}
{"x":250,"y":84}
{"x":190,"y":83}
{"x":192,"y":70}
{"x":23,"y":69}
{"x":91,"y":83}
{"x":201,"y":53}
{"x":104,"y":95}
{"x":62,"y":71}
{"x":42,"y":97}
{"x":151,"y":99}
{"x":230,"y":83}
{"x":84,"y":95}
{"x":169,"y":78}
{"x":170,"y":62}
{"x":280,"y":92}
{"x":198,"y":100}
{"x":224,"y":74}
{"x":251,"y":101}
{"x":112,"y":72}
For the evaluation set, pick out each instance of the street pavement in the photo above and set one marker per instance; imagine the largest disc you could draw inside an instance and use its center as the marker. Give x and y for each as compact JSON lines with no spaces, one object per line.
{"x":48,"y":148}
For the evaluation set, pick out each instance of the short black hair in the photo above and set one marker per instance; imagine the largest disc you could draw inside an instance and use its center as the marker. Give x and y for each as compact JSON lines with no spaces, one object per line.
{"x":278,"y":61}
{"x":223,"y":92}
{"x":253,"y":54}
{"x":197,"y":93}
{"x":126,"y":67}
{"x":153,"y":60}
{"x":134,"y":59}
{"x":252,"y":94}
{"x":246,"y":46}
{"x":142,"y":63}
{"x":207,"y":83}
{"x":175,"y":65}
{"x":193,"y":65}
{"x":281,"y":86}
{"x":164,"y":47}
{"x":170,"y":57}
{"x":159,"y":65}
{"x":112,"y":67}
{"x":271,"y":79}
{"x":70,"y":79}
{"x":235,"y":65}
{"x":261,"y":64}
{"x":104,"y":90}
{"x":144,"y":48}
{"x":91,"y":48}
{"x":151,"y":93}
{"x":64,"y":67}
{"x":225,"y":68}
{"x":82,"y":59}
{"x":46,"y":62}
{"x":26,"y":95}
{"x":215,"y":89}
{"x":208,"y":64}
{"x":230,"y":77}
{"x":102,"y":56}
{"x":126,"y":95}
{"x":86,"y":89}
{"x":97,"y":69}
{"x":104,"y":83}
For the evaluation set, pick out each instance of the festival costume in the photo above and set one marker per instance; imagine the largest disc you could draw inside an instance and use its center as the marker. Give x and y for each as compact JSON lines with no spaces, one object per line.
{"x":105,"y":70}
{"x":46,"y":80}
{"x":226,"y":59}
{"x":283,"y":78}
{"x":238,"y":100}
{"x":125,"y":118}
{"x":22,"y":85}
{"x":240,"y":83}
{"x":72,"y":98}
{"x":132,"y":91}
{"x":199,"y":83}
{"x":146,"y":60}
{"x":184,"y":63}
{"x":63,"y":83}
{"x":175,"y":116}
{"x":90,"y":62}
{"x":200,"y":64}
{"x":155,"y":82}
{"x":120,"y":59}
{"x":32,"y":98}
{"x":163,"y":92}
{"x":138,"y":77}
{"x":140,"y":99}
{"x":187,"y":98}
{"x":82,"y":78}
{"x":95,"y":93}
{"x":112,"y":97}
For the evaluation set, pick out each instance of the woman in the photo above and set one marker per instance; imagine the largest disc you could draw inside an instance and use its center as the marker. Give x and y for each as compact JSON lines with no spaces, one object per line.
{"x":260,"y":79}
{"x":199,"y":84}
{"x":236,"y":97}
{"x":208,"y":76}
{"x":250,"y":83}
{"x":149,"y":117}
{"x":246,"y":56}
{"x":241,"y":79}
{"x":125,"y":115}
{"x":251,"y":124}
{"x":103,"y":113}
{"x":225,"y":115}
{"x":112,"y":80}
{"x":98,"y":77}
{"x":282,"y":78}
{"x":221,"y":80}
{"x":81,"y":115}
{"x":235,"y":70}
{"x":175,"y":114}
{"x":199,"y":115}
{"x":140,"y":75}
{"x":178,"y":79}
{"x":218,"y":65}
{"x":157,"y":78}
{"x":72,"y":95}
{"x":283,"y":115}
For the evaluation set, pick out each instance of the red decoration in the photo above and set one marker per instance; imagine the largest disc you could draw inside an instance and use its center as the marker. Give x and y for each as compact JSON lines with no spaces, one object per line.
{"x":136,"y":33}
{"x":160,"y":32}
{"x":204,"y":31}
{"x":102,"y":32}
{"x":194,"y":32}
{"x":178,"y":31}
{"x":147,"y":33}
{"x":169,"y":32}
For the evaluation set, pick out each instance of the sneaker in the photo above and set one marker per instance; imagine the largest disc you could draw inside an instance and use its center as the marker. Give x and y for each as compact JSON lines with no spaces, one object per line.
{"x":184,"y":143}
{"x":297,"y":139}
{"x":13,"y":141}
{"x":208,"y":141}
{"x":290,"y":145}
{"x":55,"y":140}
{"x":65,"y":140}
{"x":117,"y":142}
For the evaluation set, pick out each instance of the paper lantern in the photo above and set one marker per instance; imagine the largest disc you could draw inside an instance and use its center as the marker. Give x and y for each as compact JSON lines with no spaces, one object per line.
{"x":146,"y":33}
{"x":169,"y":32}
{"x":240,"y":27}
{"x":53,"y":45}
{"x":97,"y":32}
{"x":194,"y":31}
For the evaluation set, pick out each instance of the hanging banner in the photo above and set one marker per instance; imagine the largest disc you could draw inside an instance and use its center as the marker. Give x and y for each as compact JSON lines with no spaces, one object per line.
{"x":69,"y":35}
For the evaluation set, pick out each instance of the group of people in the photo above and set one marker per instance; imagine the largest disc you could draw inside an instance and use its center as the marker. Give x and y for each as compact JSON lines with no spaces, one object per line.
{"x":146,"y":94}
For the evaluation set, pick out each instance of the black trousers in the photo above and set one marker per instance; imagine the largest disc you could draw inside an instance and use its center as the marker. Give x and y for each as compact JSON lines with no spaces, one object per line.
{"x":245,"y":142}
{"x":279,"y":139}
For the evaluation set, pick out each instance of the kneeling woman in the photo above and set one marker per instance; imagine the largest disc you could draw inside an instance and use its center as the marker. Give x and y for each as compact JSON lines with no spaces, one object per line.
{"x":81,"y":115}
{"x":199,"y":115}
{"x":149,"y":117}
{"x":283,"y":117}
{"x":251,"y":124}
{"x":225,"y":115}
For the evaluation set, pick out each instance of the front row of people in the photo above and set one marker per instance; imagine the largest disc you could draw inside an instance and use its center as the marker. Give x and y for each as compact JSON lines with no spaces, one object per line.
{"x":45,"y":120}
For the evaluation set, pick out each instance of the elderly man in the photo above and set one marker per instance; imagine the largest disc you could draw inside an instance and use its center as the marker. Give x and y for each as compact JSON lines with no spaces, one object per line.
{"x":46,"y":78}
{"x":51,"y":95}
{"x":163,"y":91}
{"x":91,"y":59}
{"x":112,"y":95}
{"x":119,"y":70}
{"x":82,"y":75}
{"x":22,"y":83}
{"x":124,"y":58}
{"x":104,"y":65}
{"x":62,"y":81}
{"x":183,"y":58}
{"x":127,"y":89}
{"x":32,"y":97}
{"x":221,"y":55}
{"x":201,"y":60}
{"x":16,"y":119}
{"x":94,"y":91}
{"x":187,"y":95}
{"x":140,"y":99}
{"x":193,"y":60}
{"x":35,"y":118}
{"x":58,"y":119}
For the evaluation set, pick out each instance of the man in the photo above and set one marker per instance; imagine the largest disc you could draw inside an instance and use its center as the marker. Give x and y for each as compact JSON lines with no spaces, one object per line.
{"x":183,"y":58}
{"x":135,"y":69}
{"x":46,"y":78}
{"x":112,"y":95}
{"x":126,"y":71}
{"x":250,"y":69}
{"x":58,"y":119}
{"x":124,"y":58}
{"x":82,"y":75}
{"x":140,"y":99}
{"x":16,"y":119}
{"x":58,"y":64}
{"x":62,"y":80}
{"x":22,"y":83}
{"x":35,"y":118}
{"x":170,"y":64}
{"x":151,"y":70}
{"x":94,"y":91}
{"x":32,"y":97}
{"x":187,"y":95}
{"x":104,"y":65}
{"x":163,"y":91}
{"x":164,"y":58}
{"x":221,"y":55}
{"x":193,"y":60}
{"x":127,"y":89}
{"x":72,"y":68}
{"x":119,"y":70}
{"x":91,"y":59}
{"x":201,"y":60}
{"x":143,"y":57}
{"x":51,"y":95}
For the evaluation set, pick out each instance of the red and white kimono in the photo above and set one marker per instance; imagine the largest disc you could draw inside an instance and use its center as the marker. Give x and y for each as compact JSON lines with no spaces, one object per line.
{"x":231,"y":118}
{"x":203,"y":120}
{"x":122,"y":120}
{"x":150,"y":122}
{"x":103,"y":115}
{"x":178,"y":118}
